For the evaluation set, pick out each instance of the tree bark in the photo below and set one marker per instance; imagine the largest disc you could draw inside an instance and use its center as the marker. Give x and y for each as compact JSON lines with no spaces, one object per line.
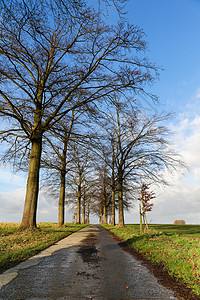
{"x":78,"y":215}
{"x":113,"y":186}
{"x":61,"y":204}
{"x":113,"y":208}
{"x":145,"y":217}
{"x":120,"y":198}
{"x":32,"y":188}
{"x":120,"y":174}
{"x":105,"y":214}
{"x":140,"y":211}
{"x":83,"y":208}
{"x":88,"y":212}
{"x":101,"y":213}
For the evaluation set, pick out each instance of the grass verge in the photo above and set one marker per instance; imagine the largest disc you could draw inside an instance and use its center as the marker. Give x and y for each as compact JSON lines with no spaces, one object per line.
{"x":175,"y":247}
{"x":16,"y":246}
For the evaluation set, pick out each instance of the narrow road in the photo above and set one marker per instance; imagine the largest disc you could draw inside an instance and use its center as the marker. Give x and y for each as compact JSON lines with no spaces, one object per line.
{"x":89,"y":264}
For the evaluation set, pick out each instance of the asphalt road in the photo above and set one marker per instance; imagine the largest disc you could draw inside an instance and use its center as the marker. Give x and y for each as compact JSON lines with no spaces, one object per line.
{"x":89,"y":264}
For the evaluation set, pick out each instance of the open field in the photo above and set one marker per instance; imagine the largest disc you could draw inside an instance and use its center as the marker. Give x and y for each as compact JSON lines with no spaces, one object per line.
{"x":175,"y":247}
{"x":16,"y":246}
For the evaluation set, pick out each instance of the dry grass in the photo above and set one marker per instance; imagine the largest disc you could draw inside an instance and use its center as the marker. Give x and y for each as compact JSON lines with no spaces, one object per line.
{"x":16,"y":245}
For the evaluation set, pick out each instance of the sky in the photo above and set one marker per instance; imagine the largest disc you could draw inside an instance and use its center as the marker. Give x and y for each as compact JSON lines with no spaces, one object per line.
{"x":172,"y":32}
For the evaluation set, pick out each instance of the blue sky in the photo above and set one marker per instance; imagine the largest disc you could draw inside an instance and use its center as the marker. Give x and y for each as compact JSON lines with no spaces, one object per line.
{"x":172,"y":32}
{"x":172,"y":29}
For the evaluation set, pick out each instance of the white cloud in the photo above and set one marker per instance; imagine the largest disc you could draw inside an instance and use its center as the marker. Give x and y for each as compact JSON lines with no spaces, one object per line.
{"x":172,"y":203}
{"x":12,"y":204}
{"x":189,"y":139}
{"x":181,"y":199}
{"x":197,"y":94}
{"x":178,"y":202}
{"x":11,"y":180}
{"x":12,"y":195}
{"x":197,"y":174}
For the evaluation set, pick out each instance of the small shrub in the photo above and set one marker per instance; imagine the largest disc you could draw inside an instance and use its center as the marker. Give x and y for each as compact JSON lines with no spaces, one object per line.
{"x":179,"y":222}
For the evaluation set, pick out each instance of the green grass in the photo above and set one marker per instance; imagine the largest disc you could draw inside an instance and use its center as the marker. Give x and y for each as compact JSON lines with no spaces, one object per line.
{"x":176,"y":247}
{"x":16,"y":246}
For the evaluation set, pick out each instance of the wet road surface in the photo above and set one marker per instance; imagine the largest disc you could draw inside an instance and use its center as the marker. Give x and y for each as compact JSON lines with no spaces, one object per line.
{"x":89,"y":264}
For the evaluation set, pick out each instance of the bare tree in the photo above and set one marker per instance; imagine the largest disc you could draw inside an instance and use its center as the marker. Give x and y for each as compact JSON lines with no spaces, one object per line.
{"x":143,"y":150}
{"x":101,"y":193}
{"x":104,"y":193}
{"x":55,"y":159}
{"x":55,"y":58}
{"x":119,"y":5}
{"x":77,"y":176}
{"x":62,"y":150}
{"x":88,"y":200}
{"x":136,"y":147}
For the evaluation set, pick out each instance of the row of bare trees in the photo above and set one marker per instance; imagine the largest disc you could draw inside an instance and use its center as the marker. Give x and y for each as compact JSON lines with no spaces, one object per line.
{"x":68,"y":86}
{"x":107,"y":164}
{"x":135,"y":148}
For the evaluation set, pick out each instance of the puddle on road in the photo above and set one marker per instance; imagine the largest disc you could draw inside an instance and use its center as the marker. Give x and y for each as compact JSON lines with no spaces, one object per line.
{"x":89,"y":255}
{"x":88,"y":250}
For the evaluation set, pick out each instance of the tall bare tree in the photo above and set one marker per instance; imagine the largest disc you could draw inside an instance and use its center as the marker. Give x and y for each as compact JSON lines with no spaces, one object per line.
{"x":79,"y":168}
{"x":55,"y":158}
{"x":136,"y":147}
{"x":55,"y":58}
{"x":143,"y":150}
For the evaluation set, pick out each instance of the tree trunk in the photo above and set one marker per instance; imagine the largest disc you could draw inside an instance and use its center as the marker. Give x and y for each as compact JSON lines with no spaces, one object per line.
{"x":32,"y":188}
{"x":61,"y":204}
{"x":120,"y":198}
{"x":78,"y":215}
{"x":145,"y":217}
{"x":113,"y":186}
{"x":140,"y":210}
{"x":105,"y":214}
{"x":83,"y":207}
{"x":101,"y":213}
{"x":120,"y":174}
{"x":113,"y":208}
{"x":88,"y":212}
